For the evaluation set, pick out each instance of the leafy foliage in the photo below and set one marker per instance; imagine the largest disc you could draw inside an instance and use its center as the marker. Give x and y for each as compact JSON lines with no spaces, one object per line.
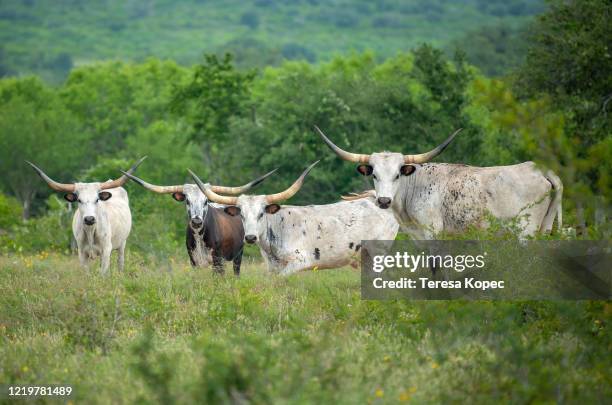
{"x":215,"y":93}
{"x":114,"y":99}
{"x":10,"y":212}
{"x":36,"y":126}
{"x":497,"y":50}
{"x":569,"y":62}
{"x":47,"y":37}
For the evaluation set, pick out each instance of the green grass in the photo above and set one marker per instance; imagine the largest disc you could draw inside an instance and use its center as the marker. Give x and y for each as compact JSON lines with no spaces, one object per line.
{"x":170,"y":333}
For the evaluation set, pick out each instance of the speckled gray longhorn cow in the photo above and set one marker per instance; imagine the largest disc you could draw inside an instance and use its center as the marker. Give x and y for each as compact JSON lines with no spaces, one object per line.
{"x":211,"y":236}
{"x":293,"y":238}
{"x":102,"y":221}
{"x":428,"y":198}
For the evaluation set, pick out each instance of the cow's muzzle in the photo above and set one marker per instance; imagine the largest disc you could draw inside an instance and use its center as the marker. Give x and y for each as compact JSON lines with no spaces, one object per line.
{"x":384,"y":202}
{"x":89,"y":220}
{"x":196,"y":222}
{"x":250,"y":238}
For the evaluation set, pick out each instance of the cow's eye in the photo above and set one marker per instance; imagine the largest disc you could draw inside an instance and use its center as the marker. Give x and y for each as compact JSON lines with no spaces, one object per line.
{"x":397,"y":177}
{"x":260,"y":215}
{"x":97,"y":199}
{"x":375,"y":178}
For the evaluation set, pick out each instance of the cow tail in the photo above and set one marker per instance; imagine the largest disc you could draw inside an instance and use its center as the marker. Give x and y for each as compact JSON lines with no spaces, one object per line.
{"x":554,"y":209}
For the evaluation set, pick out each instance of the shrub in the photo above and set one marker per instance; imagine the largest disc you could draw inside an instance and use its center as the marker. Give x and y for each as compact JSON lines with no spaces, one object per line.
{"x":10,"y":212}
{"x":50,"y":232}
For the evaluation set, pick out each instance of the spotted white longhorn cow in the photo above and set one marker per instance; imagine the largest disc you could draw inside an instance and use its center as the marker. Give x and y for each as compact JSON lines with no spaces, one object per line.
{"x":102,"y":221}
{"x":429,"y":198}
{"x":294,"y":238}
{"x":205,"y":234}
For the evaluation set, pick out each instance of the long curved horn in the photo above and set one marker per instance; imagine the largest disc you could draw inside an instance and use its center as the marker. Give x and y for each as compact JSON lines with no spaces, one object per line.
{"x":294,"y":188}
{"x":123,"y":179}
{"x":426,"y":157}
{"x":241,"y":189}
{"x":359,"y":196}
{"x":153,"y":187}
{"x":351,"y":157}
{"x":211,"y":195}
{"x":69,"y":188}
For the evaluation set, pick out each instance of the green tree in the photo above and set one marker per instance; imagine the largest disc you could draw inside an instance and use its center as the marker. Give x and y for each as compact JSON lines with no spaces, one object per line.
{"x":35,"y":125}
{"x":216,"y":93}
{"x":570,"y":61}
{"x":115,"y":99}
{"x":496,"y":50}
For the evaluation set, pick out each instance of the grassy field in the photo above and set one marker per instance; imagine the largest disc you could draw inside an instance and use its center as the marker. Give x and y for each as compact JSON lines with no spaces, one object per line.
{"x":168,"y":333}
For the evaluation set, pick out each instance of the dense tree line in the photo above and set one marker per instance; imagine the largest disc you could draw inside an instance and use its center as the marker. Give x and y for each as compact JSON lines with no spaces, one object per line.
{"x":49,"y":37}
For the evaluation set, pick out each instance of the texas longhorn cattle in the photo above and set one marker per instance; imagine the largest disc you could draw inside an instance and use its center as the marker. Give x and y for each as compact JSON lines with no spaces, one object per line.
{"x":293,"y":238}
{"x":428,"y":198}
{"x":102,"y":221}
{"x":212,"y":236}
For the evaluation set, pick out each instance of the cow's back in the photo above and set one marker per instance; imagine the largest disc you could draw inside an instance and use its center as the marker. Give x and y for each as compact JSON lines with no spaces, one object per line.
{"x":324,"y":236}
{"x":519,"y":191}
{"x":468,"y":194}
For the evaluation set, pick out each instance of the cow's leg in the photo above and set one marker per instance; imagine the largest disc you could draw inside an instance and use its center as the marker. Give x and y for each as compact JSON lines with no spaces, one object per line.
{"x":191,"y":260}
{"x":83,"y":259}
{"x":217,"y":263}
{"x":191,"y":246}
{"x":105,"y":259}
{"x":237,"y":263}
{"x":83,"y":255}
{"x":121,"y":256}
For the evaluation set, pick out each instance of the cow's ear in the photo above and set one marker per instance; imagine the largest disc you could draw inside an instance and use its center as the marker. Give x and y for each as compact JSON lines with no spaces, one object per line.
{"x":272,"y":208}
{"x":104,"y":195}
{"x":180,"y":197}
{"x":407,"y":170}
{"x":72,"y":197}
{"x":232,"y":210}
{"x":365,"y":170}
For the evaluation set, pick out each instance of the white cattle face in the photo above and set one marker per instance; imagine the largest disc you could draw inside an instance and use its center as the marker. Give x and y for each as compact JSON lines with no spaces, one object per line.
{"x":196,"y":205}
{"x":88,"y":196}
{"x":253,"y":210}
{"x":387,"y":169}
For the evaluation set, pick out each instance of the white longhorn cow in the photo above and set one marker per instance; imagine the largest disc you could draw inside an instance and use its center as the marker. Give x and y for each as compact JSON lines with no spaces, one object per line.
{"x":429,"y":198}
{"x":102,"y":221}
{"x":294,"y":238}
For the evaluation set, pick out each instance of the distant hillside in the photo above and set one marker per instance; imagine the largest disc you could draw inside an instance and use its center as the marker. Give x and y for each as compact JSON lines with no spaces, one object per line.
{"x":48,"y":37}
